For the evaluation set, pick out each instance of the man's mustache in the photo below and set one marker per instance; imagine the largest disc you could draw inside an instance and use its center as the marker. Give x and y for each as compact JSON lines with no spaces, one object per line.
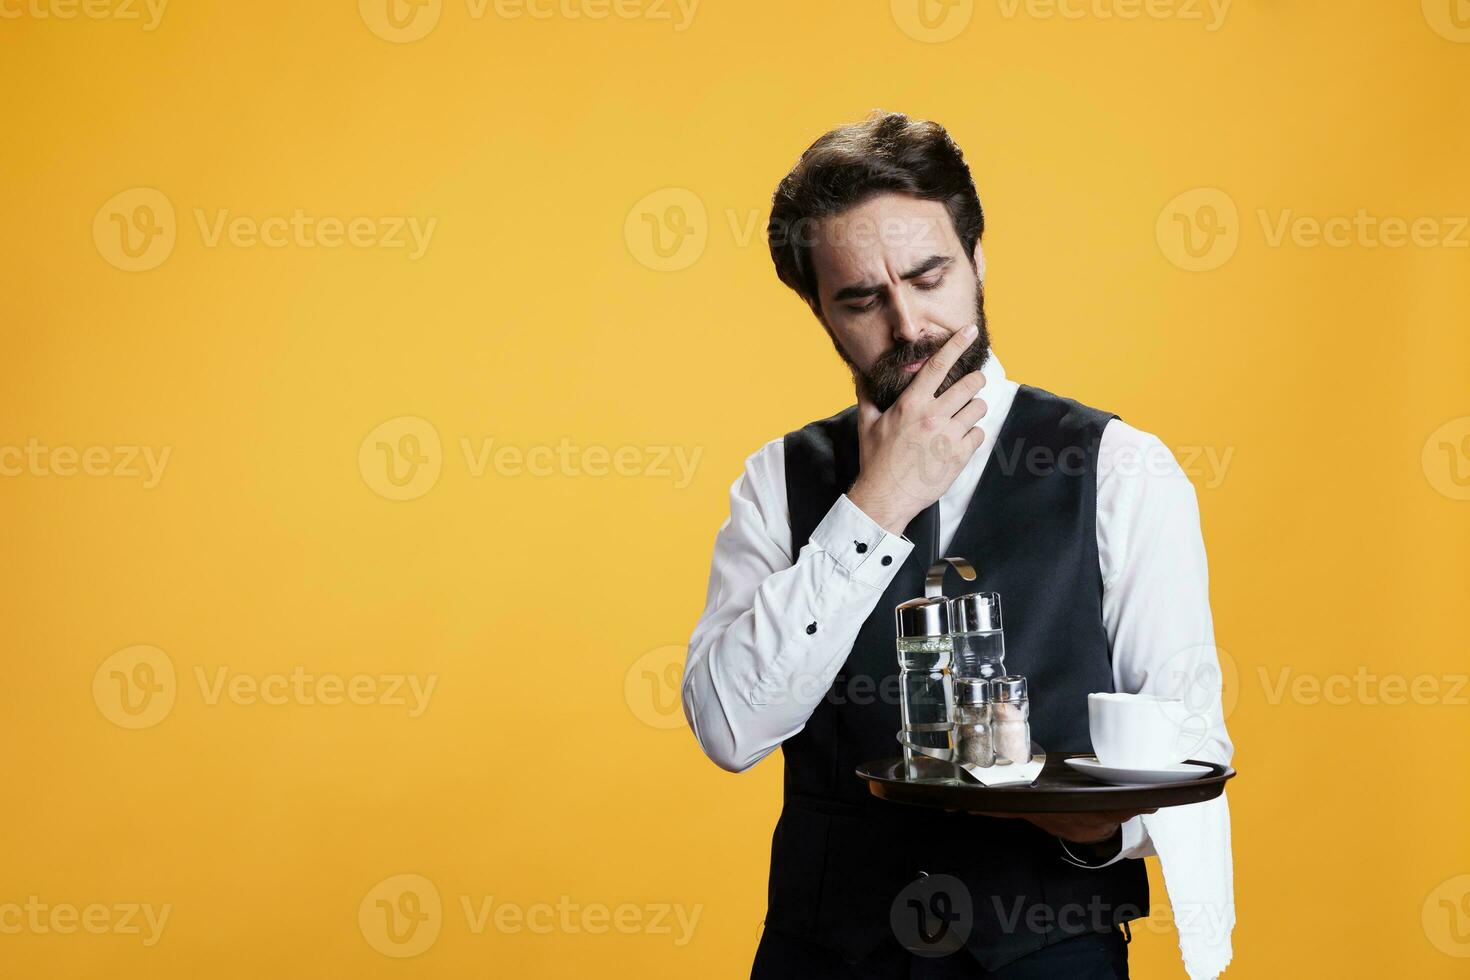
{"x":912,"y":353}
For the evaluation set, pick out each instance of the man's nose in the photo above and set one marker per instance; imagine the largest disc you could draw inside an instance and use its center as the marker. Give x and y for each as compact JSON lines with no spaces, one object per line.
{"x":904,"y":321}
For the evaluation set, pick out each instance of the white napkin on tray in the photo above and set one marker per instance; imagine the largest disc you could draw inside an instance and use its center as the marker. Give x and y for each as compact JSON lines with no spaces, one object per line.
{"x":1023,"y":774}
{"x":1012,"y":775}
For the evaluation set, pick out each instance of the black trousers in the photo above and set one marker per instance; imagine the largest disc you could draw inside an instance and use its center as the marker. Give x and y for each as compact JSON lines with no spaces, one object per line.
{"x":1095,"y":956}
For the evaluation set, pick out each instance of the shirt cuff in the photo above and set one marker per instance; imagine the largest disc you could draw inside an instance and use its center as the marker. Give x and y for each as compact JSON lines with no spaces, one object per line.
{"x":1128,"y":841}
{"x":866,"y":550}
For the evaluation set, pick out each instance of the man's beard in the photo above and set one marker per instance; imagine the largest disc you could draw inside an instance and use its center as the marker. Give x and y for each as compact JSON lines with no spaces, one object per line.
{"x":886,"y":380}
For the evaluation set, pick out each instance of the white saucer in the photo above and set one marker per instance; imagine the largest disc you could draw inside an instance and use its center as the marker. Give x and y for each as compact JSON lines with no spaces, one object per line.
{"x":1181,"y":773}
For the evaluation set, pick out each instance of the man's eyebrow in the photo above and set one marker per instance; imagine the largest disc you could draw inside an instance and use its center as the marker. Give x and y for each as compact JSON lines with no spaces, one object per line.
{"x":861,"y":290}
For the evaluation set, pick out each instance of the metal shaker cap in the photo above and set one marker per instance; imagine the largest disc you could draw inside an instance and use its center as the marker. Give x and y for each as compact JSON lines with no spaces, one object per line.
{"x":923,"y":617}
{"x":1011,"y":687}
{"x":978,"y":612}
{"x":971,"y":690}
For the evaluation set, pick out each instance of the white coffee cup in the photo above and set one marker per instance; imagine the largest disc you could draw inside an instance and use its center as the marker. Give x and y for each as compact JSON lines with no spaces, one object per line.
{"x":1142,"y":731}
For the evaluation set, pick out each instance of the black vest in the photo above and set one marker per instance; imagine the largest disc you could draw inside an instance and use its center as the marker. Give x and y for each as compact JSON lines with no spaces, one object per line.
{"x":840,"y":856}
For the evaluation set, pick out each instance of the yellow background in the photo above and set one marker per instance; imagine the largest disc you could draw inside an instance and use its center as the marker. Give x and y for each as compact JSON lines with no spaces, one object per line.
{"x":546,"y":767}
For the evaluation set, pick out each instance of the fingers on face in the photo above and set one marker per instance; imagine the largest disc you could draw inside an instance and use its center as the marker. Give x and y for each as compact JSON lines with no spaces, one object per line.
{"x":937,"y":367}
{"x":962,"y":396}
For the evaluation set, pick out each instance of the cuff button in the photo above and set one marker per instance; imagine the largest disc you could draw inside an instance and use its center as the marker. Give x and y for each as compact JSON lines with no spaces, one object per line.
{"x":862,"y":547}
{"x":888,"y":559}
{"x":811,"y":628}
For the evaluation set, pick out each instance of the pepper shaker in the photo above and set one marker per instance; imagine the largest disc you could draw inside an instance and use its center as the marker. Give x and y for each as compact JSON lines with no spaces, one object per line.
{"x":973,"y":746}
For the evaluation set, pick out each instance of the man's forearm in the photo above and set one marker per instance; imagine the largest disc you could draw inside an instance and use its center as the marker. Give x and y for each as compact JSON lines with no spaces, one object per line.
{"x":887,"y":512}
{"x":763,"y":658}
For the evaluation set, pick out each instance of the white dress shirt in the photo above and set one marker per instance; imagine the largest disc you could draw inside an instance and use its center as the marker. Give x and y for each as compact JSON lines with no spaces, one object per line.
{"x":754,"y":675}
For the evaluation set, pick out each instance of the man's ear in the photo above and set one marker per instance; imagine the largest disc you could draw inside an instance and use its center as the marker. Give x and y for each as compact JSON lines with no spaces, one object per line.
{"x":979,"y":262}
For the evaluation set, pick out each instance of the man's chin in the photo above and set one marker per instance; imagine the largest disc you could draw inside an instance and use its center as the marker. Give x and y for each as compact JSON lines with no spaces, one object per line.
{"x":886,"y":398}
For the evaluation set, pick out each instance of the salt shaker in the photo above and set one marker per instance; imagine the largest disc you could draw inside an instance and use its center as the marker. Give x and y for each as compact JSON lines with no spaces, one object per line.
{"x":1010,"y":720}
{"x":972,"y":741}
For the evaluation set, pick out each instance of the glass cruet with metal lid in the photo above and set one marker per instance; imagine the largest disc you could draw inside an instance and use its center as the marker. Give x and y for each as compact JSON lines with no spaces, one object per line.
{"x":925,"y":659}
{"x":979,"y":639}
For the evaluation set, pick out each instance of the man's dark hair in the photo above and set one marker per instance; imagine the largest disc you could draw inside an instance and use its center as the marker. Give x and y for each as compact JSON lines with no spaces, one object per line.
{"x":887,"y":152}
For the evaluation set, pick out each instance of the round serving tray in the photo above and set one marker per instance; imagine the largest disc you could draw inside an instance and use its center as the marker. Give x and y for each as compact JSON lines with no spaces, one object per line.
{"x":1059,"y":789}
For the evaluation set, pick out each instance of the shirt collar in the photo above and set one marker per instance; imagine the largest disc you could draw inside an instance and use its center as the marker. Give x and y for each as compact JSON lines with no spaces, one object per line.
{"x":999,"y":392}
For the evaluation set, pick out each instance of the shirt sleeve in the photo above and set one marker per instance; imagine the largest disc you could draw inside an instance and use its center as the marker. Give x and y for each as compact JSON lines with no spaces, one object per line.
{"x":1156,"y":601}
{"x":775,"y":631}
